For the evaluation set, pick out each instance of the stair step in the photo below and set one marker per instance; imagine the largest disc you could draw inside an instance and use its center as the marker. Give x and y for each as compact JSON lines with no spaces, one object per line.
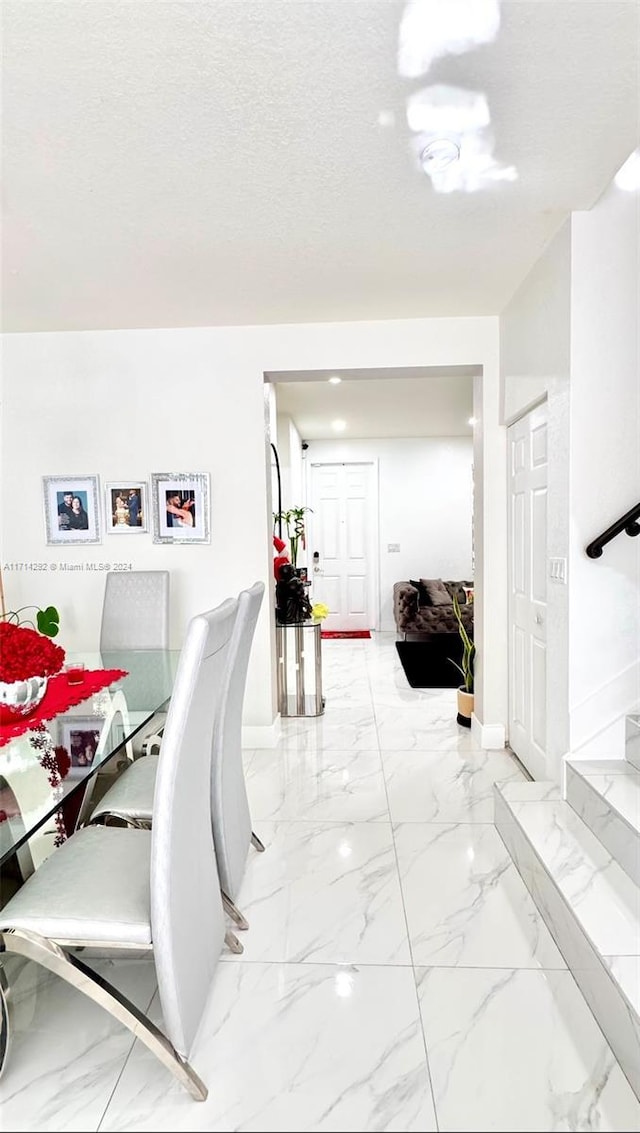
{"x":632,"y":741}
{"x":589,"y":903}
{"x":605,"y":794}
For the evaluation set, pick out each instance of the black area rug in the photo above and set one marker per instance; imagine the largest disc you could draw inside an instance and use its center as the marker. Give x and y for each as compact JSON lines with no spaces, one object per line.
{"x":426,"y":663}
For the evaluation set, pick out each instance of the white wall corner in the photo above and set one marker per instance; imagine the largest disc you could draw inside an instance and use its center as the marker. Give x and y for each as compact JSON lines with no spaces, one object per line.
{"x":488,"y":736}
{"x":261,"y":736}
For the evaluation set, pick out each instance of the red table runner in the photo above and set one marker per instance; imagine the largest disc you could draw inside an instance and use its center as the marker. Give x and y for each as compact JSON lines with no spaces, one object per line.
{"x":60,"y":696}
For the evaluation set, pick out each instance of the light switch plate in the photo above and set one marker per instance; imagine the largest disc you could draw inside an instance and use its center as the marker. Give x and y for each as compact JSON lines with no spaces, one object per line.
{"x":558,"y":570}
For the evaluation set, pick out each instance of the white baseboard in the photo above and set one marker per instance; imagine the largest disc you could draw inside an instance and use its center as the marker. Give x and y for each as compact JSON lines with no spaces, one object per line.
{"x":488,"y":736}
{"x":259,"y":736}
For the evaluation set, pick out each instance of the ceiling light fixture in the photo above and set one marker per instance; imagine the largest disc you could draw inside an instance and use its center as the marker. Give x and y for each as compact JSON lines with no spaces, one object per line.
{"x":439,"y":154}
{"x":339,"y":426}
{"x":431,"y":29}
{"x":335,"y":380}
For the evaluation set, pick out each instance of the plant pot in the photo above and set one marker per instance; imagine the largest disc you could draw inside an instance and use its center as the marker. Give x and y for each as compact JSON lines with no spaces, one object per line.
{"x":465,"y":707}
{"x":19,"y":698}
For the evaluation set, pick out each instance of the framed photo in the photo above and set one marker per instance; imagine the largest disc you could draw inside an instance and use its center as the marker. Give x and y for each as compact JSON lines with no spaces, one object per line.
{"x":126,"y":507}
{"x":180,"y":503}
{"x":71,"y":509}
{"x":80,"y":737}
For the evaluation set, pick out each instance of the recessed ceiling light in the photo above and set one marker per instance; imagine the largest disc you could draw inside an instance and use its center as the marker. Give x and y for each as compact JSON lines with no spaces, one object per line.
{"x":335,"y":380}
{"x":472,"y":421}
{"x":339,"y":426}
{"x":438,"y":154}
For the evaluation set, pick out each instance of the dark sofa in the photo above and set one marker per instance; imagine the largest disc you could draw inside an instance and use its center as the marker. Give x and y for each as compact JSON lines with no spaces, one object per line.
{"x":412,"y":618}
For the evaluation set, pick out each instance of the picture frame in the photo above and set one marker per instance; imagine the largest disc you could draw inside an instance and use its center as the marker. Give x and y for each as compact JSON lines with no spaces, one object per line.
{"x":180,"y":507}
{"x":65,"y":520}
{"x":80,"y":737}
{"x":122,"y":514}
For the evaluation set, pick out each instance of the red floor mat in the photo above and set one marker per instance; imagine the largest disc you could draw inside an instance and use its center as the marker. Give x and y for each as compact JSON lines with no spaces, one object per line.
{"x":345,"y":633}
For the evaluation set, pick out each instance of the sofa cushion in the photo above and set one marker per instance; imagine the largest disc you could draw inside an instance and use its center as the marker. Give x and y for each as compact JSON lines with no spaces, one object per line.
{"x":437,"y":591}
{"x":423,"y":597}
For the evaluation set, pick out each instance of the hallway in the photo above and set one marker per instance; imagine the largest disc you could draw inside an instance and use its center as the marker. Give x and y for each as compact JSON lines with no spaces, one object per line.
{"x":396,"y":974}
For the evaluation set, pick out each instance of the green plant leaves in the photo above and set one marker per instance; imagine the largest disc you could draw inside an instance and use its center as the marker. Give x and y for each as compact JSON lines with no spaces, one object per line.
{"x":468,"y":649}
{"x":48,"y":621}
{"x":293,"y":519}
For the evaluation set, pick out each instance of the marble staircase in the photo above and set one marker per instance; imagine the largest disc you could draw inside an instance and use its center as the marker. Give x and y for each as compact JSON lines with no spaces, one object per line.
{"x":579,"y":856}
{"x":632,"y":746}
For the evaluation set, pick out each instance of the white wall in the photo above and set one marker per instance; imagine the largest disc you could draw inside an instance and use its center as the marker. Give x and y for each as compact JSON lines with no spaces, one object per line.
{"x":535,"y":362}
{"x":425,"y":505}
{"x":289,"y":446}
{"x":571,"y":333}
{"x":535,"y":330}
{"x":126,"y":403}
{"x":604,"y":674}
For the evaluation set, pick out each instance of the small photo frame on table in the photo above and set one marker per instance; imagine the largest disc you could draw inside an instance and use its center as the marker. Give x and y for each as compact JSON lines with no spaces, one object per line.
{"x":126,"y":507}
{"x":180,"y":507}
{"x":71,"y":509}
{"x":80,"y":737}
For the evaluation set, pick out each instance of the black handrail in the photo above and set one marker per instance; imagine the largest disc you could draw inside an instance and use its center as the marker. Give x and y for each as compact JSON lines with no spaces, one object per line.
{"x":627,"y":523}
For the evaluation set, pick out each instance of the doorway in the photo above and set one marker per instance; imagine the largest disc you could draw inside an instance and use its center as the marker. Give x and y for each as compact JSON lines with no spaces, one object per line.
{"x":527,"y":567}
{"x":343,"y":540}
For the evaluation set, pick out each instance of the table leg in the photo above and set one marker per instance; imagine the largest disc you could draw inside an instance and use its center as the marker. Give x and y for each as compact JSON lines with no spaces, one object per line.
{"x":4,"y":1019}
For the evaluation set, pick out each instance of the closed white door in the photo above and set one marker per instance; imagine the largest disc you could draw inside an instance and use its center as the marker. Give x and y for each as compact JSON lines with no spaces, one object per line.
{"x":341,"y":547}
{"x":528,"y":590}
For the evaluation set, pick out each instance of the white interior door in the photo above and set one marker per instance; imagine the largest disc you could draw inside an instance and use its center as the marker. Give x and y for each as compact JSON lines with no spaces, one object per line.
{"x":342,"y":541}
{"x":528,"y":590}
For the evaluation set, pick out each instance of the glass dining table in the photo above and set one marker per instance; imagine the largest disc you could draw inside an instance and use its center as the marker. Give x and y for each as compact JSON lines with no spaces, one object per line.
{"x":49,"y":772}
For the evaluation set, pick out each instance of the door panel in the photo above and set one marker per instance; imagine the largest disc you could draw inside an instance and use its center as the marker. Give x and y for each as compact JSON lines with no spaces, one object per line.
{"x":538,"y":700}
{"x":355,"y":530}
{"x":356,"y":595}
{"x":341,"y":530}
{"x":539,"y":545}
{"x":528,"y":440}
{"x":518,"y":672}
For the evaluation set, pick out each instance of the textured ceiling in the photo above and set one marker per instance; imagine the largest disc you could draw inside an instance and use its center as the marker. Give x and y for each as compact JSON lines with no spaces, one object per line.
{"x":181,"y":164}
{"x":402,"y":403}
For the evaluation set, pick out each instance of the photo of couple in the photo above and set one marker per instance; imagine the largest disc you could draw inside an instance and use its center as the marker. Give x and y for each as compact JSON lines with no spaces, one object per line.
{"x":126,"y":507}
{"x":72,"y":511}
{"x":181,"y":508}
{"x":84,"y":745}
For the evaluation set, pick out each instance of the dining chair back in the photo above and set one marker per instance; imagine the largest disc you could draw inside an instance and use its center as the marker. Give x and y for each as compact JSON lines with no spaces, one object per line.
{"x":135,"y":610}
{"x":229,"y":804}
{"x":131,"y":796}
{"x":158,"y":889}
{"x":135,"y":615}
{"x":186,"y":910}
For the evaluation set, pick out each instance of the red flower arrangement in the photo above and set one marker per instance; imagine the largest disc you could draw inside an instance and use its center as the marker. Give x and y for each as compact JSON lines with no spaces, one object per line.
{"x":25,"y":653}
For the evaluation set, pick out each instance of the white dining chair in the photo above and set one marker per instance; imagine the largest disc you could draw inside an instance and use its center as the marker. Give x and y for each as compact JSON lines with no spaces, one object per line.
{"x":125,"y":889}
{"x":135,"y":610}
{"x":131,"y":796}
{"x":232,"y":832}
{"x":135,"y":615}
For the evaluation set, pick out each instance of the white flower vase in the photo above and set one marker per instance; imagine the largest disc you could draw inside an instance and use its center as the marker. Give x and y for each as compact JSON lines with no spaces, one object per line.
{"x":19,"y":698}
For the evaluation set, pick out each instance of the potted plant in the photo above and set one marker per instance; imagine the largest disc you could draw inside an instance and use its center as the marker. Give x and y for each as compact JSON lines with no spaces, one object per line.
{"x":294,"y":522}
{"x":465,"y":691}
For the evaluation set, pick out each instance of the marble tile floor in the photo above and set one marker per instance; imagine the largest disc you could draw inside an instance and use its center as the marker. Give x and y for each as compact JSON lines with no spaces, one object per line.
{"x":396,"y":974}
